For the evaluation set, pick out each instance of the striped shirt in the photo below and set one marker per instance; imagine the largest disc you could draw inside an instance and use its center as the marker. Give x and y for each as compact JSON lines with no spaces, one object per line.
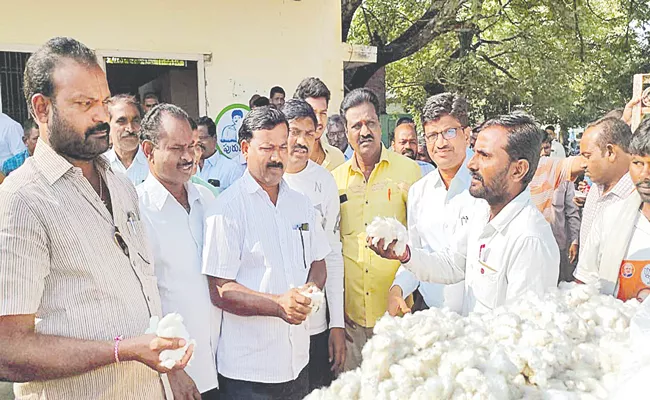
{"x":60,"y":262}
{"x":596,"y":203}
{"x":259,"y":245}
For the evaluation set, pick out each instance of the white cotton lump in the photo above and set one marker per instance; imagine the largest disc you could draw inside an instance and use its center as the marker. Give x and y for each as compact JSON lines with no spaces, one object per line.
{"x":317,"y":298}
{"x":388,"y":229}
{"x":570,"y":344}
{"x":171,"y":326}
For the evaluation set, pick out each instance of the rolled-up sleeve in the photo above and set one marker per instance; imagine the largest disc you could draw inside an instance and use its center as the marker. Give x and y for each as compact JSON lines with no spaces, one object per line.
{"x":24,"y":256}
{"x":223,"y":242}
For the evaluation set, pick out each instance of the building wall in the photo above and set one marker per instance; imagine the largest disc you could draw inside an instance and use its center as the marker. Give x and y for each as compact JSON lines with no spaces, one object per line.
{"x":255,"y":44}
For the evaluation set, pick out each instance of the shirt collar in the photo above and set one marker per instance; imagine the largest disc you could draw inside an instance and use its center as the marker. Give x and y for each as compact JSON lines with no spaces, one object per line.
{"x":158,"y":194}
{"x":53,"y":165}
{"x":623,"y":187}
{"x":213,"y":159}
{"x":462,"y":178}
{"x":385,"y":156}
{"x":251,"y":186}
{"x":510,"y":211}
{"x":140,"y":158}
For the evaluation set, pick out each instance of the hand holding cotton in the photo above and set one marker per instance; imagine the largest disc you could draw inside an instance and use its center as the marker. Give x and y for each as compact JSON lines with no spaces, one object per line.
{"x":390,"y":230}
{"x":171,"y":326}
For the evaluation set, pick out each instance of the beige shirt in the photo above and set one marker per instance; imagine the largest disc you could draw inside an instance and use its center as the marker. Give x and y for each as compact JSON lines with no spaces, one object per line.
{"x":60,"y":262}
{"x":333,"y":156}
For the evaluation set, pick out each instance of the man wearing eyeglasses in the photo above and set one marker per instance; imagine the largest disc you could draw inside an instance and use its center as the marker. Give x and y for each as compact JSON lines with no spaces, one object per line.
{"x":373,"y":183}
{"x":507,"y":249}
{"x":438,"y":204}
{"x":327,"y":343}
{"x":173,"y":210}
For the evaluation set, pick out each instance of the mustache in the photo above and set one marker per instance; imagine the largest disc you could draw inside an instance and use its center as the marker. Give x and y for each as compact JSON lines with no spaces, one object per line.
{"x":101,"y":127}
{"x":366,"y":138}
{"x":300,"y":146}
{"x":645,"y":184}
{"x":275,"y":165}
{"x":477,"y":176}
{"x":185,"y":164}
{"x":408,"y":151}
{"x":130,"y":134}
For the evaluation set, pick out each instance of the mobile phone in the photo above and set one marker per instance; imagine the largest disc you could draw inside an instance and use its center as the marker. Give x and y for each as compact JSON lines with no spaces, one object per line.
{"x":214,"y":182}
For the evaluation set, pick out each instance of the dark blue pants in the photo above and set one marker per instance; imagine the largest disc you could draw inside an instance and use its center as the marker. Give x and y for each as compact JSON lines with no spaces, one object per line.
{"x":233,"y":389}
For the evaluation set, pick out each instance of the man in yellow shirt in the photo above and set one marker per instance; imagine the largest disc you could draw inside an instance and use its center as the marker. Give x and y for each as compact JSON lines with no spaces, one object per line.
{"x":316,"y":93}
{"x":374,"y":182}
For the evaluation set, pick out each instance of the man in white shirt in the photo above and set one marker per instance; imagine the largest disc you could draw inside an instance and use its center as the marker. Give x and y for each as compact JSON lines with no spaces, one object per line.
{"x":263,"y":247}
{"x":439,"y":204}
{"x":327,"y":347}
{"x":508,"y":248}
{"x":404,"y":141}
{"x":173,"y":211}
{"x":606,"y":162}
{"x":217,"y":169}
{"x":126,"y":155}
{"x":617,"y":251}
{"x":557,"y":149}
{"x":11,"y":138}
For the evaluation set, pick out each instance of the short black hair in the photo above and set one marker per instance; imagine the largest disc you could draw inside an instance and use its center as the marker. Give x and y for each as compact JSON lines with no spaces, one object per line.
{"x":209,"y":124}
{"x":524,"y":139}
{"x":549,"y":128}
{"x":442,"y":104}
{"x":640,"y":144}
{"x":260,"y":118}
{"x":193,"y":124}
{"x":312,"y":87}
{"x":261,"y":101}
{"x":612,"y":131}
{"x":37,"y":77}
{"x":335,"y":120}
{"x":298,"y":108}
{"x":126,"y":98}
{"x":151,"y":126}
{"x":251,"y":101}
{"x":402,"y":121}
{"x":615,"y":113}
{"x":546,"y":137}
{"x":275,"y":90}
{"x":358,"y":97}
{"x":28,"y":125}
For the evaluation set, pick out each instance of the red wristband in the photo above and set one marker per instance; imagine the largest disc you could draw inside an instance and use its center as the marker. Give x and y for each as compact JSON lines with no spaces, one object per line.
{"x":116,"y":348}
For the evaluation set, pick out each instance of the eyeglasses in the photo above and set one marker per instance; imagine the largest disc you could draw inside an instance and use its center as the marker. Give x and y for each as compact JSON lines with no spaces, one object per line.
{"x":450,"y":133}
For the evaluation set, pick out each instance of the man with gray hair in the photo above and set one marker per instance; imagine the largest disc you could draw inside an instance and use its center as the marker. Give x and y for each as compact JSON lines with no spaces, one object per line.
{"x":507,"y":248}
{"x":404,"y":141}
{"x":173,"y":210}
{"x":337,"y":137}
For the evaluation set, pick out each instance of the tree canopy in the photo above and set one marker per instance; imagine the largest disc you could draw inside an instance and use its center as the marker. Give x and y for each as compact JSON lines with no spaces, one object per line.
{"x":564,"y":61}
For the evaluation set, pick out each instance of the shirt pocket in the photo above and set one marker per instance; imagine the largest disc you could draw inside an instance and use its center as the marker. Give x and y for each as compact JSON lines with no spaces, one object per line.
{"x":486,"y":284}
{"x":302,"y":249}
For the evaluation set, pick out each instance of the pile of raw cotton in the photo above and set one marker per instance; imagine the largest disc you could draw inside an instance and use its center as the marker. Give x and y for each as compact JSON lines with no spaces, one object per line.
{"x":568,"y":345}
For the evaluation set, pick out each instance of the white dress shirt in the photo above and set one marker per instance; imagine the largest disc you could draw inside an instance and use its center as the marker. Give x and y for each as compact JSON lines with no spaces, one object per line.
{"x":434,"y":216}
{"x":137,"y":171}
{"x":425,"y":167}
{"x":259,"y":245}
{"x":349,"y":152}
{"x":221,"y":168}
{"x":11,"y":138}
{"x":500,"y":259}
{"x":319,"y":185}
{"x":176,"y":238}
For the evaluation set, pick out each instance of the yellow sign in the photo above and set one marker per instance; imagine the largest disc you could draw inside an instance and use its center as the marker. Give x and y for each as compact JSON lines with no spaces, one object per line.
{"x":163,"y":62}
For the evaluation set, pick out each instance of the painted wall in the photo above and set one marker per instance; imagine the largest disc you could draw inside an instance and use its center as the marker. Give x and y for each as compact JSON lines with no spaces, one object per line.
{"x":255,"y":44}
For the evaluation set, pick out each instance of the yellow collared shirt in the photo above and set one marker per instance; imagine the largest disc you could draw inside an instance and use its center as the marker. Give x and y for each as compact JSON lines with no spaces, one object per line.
{"x":368,"y":277}
{"x":333,"y":156}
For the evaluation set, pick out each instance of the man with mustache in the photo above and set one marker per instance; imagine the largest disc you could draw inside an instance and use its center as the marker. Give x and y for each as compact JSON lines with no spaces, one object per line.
{"x":617,"y":251}
{"x":507,"y":248}
{"x":316,"y":93}
{"x":405,"y":142}
{"x":327,"y":346}
{"x":606,"y":162}
{"x":336,"y":135}
{"x":126,"y":156}
{"x":74,"y":251}
{"x":173,"y":210}
{"x":215,"y":167}
{"x":373,"y":183}
{"x":263,"y":247}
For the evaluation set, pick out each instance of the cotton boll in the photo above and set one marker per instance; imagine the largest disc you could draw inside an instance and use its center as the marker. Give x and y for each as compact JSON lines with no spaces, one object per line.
{"x":317,"y":298}
{"x":171,"y":326}
{"x":390,"y":230}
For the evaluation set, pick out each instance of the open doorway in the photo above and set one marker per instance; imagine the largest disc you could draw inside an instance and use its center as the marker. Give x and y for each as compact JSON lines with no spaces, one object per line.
{"x":173,"y":81}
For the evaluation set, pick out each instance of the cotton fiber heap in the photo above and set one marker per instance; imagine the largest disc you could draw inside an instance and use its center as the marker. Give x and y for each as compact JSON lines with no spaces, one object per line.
{"x":171,"y":326}
{"x":568,"y":345}
{"x":388,"y":229}
{"x":317,"y":297}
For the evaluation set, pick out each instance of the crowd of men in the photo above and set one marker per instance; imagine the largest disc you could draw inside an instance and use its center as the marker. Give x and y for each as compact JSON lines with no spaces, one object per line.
{"x":114,"y":211}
